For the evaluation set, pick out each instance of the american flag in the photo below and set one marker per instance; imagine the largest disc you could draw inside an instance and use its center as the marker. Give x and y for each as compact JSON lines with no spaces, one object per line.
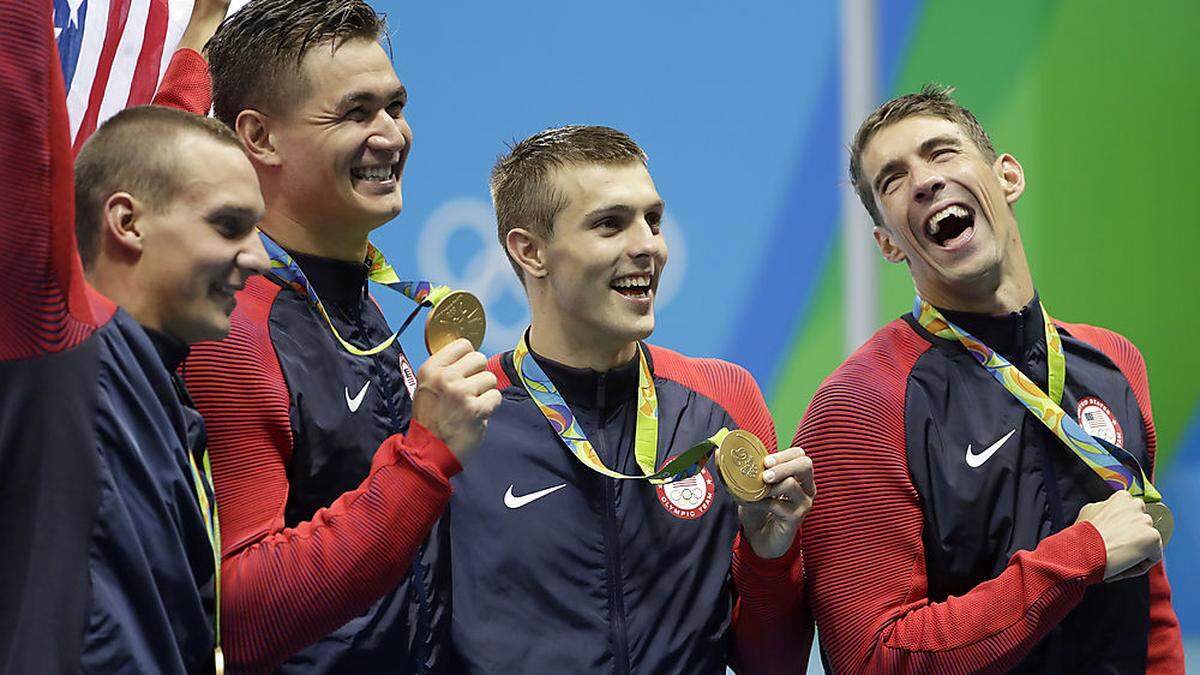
{"x":114,"y":53}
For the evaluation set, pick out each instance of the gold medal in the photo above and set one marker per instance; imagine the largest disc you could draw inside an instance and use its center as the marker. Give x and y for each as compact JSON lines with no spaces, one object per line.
{"x":1164,"y":521}
{"x":218,"y":662}
{"x":458,"y":315}
{"x":740,"y":461}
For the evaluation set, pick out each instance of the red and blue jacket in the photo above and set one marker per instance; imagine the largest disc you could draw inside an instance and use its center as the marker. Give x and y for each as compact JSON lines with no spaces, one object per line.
{"x":107,"y":564}
{"x":942,"y":539}
{"x":559,"y":569}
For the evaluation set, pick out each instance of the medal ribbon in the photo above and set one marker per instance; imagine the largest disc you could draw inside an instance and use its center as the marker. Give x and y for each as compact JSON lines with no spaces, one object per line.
{"x":284,"y":268}
{"x":556,"y":411}
{"x":1099,"y":455}
{"x":208,"y":512}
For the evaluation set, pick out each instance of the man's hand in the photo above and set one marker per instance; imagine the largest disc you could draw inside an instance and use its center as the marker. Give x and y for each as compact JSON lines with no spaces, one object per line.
{"x":770,"y":524}
{"x":455,"y":395}
{"x":1132,"y":543}
{"x":206,"y":16}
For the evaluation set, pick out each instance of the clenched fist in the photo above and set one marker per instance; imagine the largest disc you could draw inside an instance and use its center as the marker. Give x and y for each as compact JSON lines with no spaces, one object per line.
{"x":455,"y":395}
{"x":1132,"y":543}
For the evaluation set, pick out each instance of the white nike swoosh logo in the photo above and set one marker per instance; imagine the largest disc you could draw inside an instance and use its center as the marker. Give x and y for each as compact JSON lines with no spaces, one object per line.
{"x":977,"y":460}
{"x":514,"y":502}
{"x":353,"y":403}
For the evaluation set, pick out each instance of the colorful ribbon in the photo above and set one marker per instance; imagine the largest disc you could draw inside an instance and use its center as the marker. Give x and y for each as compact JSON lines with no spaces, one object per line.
{"x":212,"y":525}
{"x":284,"y":268}
{"x":556,"y":411}
{"x":1099,"y":455}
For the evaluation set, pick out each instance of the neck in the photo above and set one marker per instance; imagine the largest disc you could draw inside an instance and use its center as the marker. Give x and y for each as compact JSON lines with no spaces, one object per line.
{"x":318,"y":239}
{"x":117,"y":283}
{"x":549,"y":339}
{"x":1007,"y":289}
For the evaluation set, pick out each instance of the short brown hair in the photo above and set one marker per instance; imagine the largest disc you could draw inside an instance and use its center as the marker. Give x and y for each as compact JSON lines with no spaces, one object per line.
{"x":522,"y":193}
{"x":134,"y":151}
{"x":932,"y":101}
{"x":255,"y":55}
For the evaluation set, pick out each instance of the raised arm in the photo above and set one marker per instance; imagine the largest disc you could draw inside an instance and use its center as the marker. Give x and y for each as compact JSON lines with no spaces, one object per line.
{"x":45,"y":306}
{"x":186,"y":84}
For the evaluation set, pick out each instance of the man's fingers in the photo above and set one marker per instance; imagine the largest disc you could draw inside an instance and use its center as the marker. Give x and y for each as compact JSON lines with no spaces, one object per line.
{"x":480,"y":382}
{"x":782,"y":456}
{"x":451,"y":352}
{"x":798,"y":468}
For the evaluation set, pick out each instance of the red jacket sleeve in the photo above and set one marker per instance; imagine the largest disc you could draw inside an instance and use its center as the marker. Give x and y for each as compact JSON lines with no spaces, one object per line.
{"x":772,"y":624}
{"x":863,"y":552}
{"x":47,"y":306}
{"x":186,"y":85}
{"x":284,"y":588}
{"x":772,"y":628}
{"x":1165,"y":644}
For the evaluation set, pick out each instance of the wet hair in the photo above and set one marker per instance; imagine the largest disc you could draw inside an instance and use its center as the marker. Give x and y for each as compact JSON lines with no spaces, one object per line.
{"x":932,"y":101}
{"x":255,"y":55}
{"x":522,"y":192}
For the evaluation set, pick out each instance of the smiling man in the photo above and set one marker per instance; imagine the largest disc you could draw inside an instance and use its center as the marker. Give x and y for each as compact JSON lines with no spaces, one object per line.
{"x":959,"y":528}
{"x":565,"y":558}
{"x":331,"y":464}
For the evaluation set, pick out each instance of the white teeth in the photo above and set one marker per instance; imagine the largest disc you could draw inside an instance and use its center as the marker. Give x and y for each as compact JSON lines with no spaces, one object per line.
{"x":631,"y":282}
{"x":952,"y":210}
{"x":374,"y":173}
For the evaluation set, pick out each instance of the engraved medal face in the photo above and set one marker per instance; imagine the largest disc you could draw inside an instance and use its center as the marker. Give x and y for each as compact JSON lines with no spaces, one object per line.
{"x":458,"y":315}
{"x":740,"y":461}
{"x":1164,"y":520}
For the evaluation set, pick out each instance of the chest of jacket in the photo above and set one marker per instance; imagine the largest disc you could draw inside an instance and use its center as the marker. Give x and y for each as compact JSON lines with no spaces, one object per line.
{"x":608,"y":570}
{"x":993,"y":480}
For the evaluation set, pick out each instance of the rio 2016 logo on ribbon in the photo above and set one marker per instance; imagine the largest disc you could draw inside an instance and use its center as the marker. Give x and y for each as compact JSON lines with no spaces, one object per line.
{"x":488,"y":274}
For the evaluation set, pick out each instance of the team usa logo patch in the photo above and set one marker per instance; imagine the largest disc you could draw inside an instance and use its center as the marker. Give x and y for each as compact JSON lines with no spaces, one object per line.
{"x":689,"y":498}
{"x":410,"y":377}
{"x":1098,"y":419}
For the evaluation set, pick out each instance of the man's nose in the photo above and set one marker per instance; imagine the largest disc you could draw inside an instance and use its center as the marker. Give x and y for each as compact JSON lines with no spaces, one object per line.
{"x":927,"y":186}
{"x":388,"y":133}
{"x":252,"y":258}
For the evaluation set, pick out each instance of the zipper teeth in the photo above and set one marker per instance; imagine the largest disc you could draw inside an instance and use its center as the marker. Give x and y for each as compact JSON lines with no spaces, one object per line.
{"x":616,"y":602}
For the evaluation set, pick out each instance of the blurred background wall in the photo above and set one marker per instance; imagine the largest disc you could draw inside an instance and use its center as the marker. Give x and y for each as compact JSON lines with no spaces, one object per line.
{"x":740,"y":108}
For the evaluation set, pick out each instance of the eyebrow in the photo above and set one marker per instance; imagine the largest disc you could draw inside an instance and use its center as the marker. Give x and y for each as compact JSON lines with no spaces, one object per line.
{"x":238,"y":213}
{"x":924,"y":150}
{"x":364,"y":96}
{"x":622,"y":209}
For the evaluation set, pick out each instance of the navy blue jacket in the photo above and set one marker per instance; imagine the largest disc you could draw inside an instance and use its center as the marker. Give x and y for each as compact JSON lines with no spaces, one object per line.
{"x":597,"y":574}
{"x":329,"y":493}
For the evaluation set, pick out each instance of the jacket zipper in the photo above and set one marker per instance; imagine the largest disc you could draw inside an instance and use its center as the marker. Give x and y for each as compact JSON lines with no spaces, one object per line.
{"x":612,"y":547}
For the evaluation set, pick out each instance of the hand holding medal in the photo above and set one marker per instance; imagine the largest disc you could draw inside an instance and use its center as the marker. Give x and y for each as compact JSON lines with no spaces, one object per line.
{"x":774,"y":491}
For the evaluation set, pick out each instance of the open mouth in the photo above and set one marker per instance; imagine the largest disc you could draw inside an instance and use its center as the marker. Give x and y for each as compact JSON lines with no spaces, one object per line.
{"x":634,"y":286}
{"x":950,"y":225}
{"x":375,"y":174}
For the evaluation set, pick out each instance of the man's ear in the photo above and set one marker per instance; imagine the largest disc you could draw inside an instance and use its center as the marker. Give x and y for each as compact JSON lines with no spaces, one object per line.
{"x":528,"y":250}
{"x":1012,"y":177}
{"x":122,"y":226}
{"x":891,"y":252}
{"x":253,"y":128}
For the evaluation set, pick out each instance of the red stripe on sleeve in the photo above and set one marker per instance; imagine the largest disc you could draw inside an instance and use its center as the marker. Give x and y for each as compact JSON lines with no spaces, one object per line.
{"x":863,"y":554}
{"x":186,"y":85}
{"x":1165,"y":644}
{"x":46,"y":307}
{"x":771,"y":625}
{"x":284,"y":588}
{"x":729,"y":385}
{"x":494,"y":365}
{"x":145,"y":73}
